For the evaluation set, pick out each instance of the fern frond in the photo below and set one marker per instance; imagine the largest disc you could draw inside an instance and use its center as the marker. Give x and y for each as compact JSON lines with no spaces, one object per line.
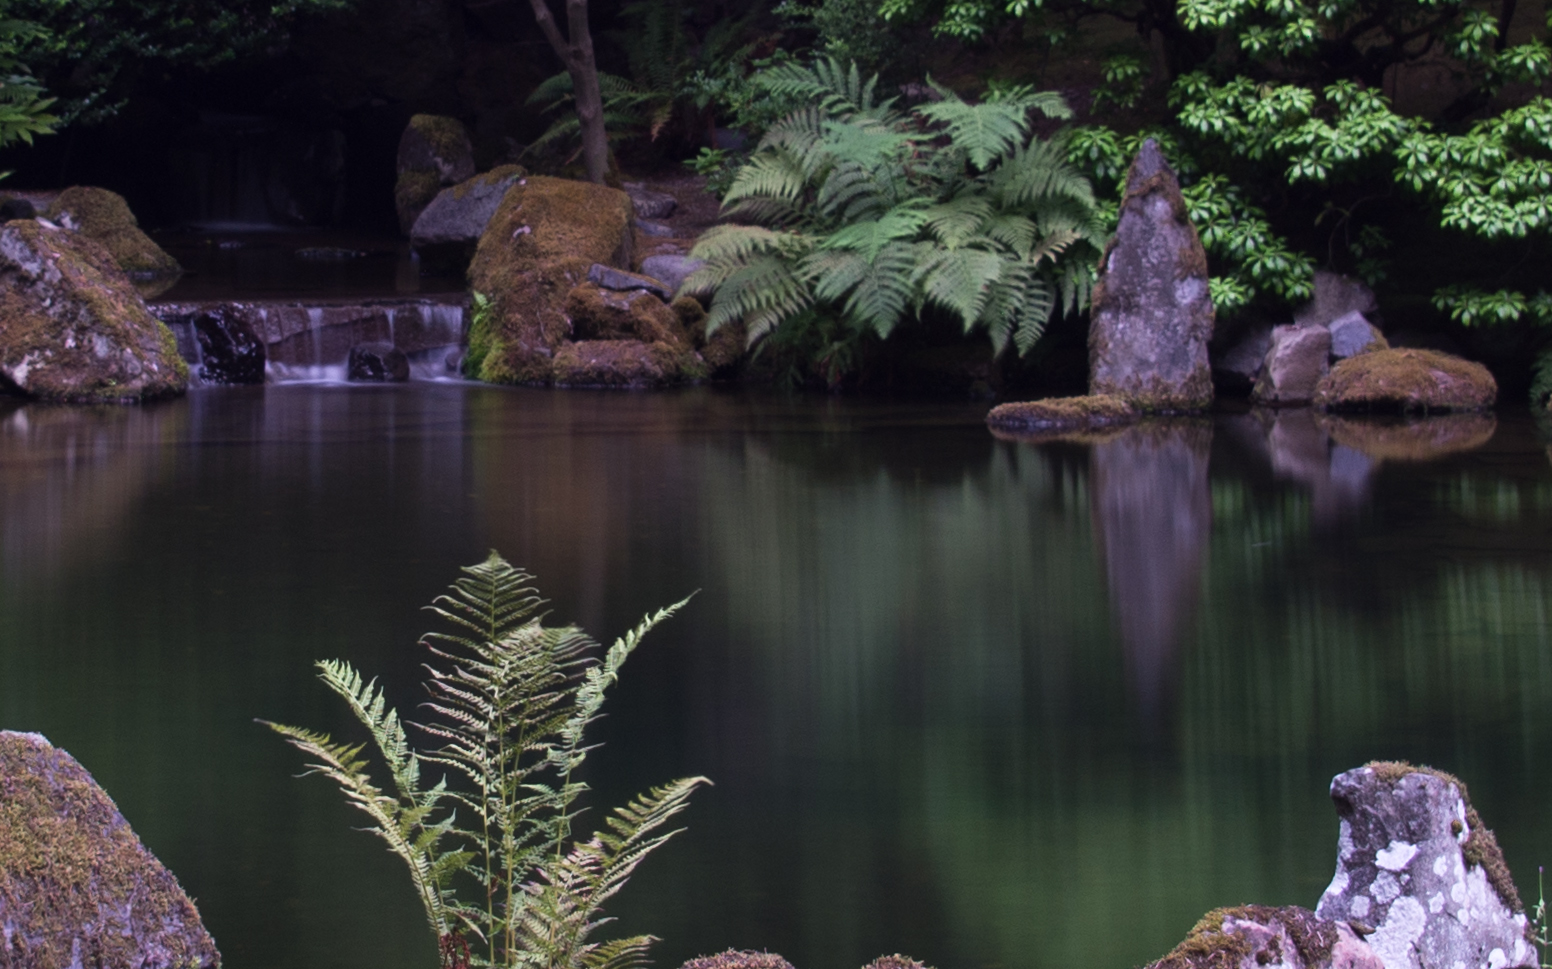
{"x":956,"y":222}
{"x":875,"y":292}
{"x":777,"y":173}
{"x":985,"y":131}
{"x":901,"y":222}
{"x":490,"y":599}
{"x":1040,"y":170}
{"x":960,"y":281}
{"x":762,"y":292}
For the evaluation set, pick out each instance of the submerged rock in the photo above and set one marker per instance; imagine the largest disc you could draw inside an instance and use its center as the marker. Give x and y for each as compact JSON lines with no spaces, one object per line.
{"x":105,"y":218}
{"x":377,"y":363}
{"x":1416,"y":864}
{"x":1297,"y":360}
{"x":1152,"y":314}
{"x":72,"y":327}
{"x":229,"y":351}
{"x":1407,"y":380}
{"x":1062,"y":414}
{"x":76,"y":885}
{"x":1262,"y":937}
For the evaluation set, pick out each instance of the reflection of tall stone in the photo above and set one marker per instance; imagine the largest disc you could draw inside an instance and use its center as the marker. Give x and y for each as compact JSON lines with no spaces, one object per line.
{"x":1152,"y":518}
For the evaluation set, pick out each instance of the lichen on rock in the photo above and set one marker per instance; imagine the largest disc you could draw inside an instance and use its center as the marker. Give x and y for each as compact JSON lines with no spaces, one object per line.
{"x":104,"y":217}
{"x":76,"y":885}
{"x":72,"y":327}
{"x":1264,"y":937}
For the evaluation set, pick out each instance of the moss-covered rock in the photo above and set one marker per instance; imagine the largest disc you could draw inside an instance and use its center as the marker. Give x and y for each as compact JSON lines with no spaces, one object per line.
{"x":723,"y":351}
{"x":72,"y":327}
{"x":104,"y":217}
{"x":412,"y":192}
{"x":76,"y":885}
{"x":738,"y":959}
{"x":1061,"y":414}
{"x":1263,"y":937}
{"x":1406,"y":380}
{"x":544,"y":237}
{"x":437,"y":144}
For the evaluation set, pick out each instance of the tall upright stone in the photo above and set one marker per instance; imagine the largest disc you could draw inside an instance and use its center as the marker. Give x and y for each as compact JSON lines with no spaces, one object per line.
{"x":1152,"y":315}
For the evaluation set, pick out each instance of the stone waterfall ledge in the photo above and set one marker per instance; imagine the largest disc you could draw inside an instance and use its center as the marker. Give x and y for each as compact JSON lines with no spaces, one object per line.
{"x":302,"y":334}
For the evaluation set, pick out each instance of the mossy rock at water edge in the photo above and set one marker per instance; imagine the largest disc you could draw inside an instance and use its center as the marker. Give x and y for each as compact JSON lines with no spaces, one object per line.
{"x":72,"y":327}
{"x":104,"y":217}
{"x":1406,"y":380}
{"x":77,"y":888}
{"x":1056,"y":414}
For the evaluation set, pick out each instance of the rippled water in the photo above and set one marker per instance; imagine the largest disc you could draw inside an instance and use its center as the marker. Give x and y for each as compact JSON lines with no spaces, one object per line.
{"x":989,"y":703}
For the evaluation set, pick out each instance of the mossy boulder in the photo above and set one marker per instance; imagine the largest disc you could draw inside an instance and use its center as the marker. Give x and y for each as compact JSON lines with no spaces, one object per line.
{"x":1263,"y":937}
{"x":104,"y":217}
{"x":1063,"y":414}
{"x":723,"y":351}
{"x":434,"y":151}
{"x":1406,"y":380}
{"x":538,"y":247}
{"x":76,"y":885}
{"x":72,"y":327}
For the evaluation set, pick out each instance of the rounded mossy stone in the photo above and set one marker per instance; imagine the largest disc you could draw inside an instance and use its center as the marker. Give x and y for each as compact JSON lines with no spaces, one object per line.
{"x":75,"y":879}
{"x":445,"y":136}
{"x":542,"y":219}
{"x":1406,"y":380}
{"x":105,"y":217}
{"x":1063,"y":413}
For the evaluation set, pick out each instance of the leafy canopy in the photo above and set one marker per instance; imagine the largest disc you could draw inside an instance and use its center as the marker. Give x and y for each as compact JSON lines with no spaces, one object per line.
{"x":855,"y":208}
{"x":511,"y":700}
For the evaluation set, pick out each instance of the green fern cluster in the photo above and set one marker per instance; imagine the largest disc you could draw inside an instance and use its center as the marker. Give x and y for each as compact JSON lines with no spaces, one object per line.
{"x":512,"y":700}
{"x":855,"y":207}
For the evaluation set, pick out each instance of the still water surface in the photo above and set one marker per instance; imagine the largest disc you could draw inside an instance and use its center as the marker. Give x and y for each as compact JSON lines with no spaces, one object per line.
{"x":989,"y":703}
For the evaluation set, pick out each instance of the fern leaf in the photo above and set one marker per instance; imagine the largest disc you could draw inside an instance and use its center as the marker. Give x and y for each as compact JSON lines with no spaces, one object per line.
{"x":876,"y":292}
{"x":985,"y":131}
{"x":901,"y":222}
{"x":960,"y":281}
{"x":955,"y":223}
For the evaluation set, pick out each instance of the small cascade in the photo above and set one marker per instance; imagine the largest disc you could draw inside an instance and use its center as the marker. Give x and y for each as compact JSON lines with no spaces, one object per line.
{"x":311,"y":343}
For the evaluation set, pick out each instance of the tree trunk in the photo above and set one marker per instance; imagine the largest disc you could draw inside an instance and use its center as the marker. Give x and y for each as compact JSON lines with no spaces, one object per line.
{"x":576,"y":53}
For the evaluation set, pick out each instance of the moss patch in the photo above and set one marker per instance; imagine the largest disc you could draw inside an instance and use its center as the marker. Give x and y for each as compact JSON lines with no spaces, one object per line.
{"x":1481,"y":847}
{"x":412,"y":192}
{"x":72,"y":873}
{"x":446,"y":137}
{"x":1406,"y":380}
{"x":104,"y":217}
{"x":497,"y":175}
{"x":1209,"y":946}
{"x":1063,"y":413}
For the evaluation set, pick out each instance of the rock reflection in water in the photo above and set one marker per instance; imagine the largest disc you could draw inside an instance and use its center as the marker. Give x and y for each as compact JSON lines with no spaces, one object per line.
{"x":1299,"y":449}
{"x":1152,"y":519}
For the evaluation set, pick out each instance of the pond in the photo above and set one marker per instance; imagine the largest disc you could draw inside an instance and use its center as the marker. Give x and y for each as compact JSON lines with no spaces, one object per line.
{"x":989,"y":703}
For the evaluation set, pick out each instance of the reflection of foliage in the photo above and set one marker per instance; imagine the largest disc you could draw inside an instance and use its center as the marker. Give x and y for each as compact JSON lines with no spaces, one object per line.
{"x":514,"y":699}
{"x":862,"y":211}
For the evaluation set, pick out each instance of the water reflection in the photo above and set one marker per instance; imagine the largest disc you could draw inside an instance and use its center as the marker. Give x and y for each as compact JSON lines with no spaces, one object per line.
{"x":1152,"y":517}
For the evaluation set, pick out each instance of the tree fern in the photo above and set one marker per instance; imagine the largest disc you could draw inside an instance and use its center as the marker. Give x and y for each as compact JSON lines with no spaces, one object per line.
{"x":510,"y":703}
{"x":856,"y":209}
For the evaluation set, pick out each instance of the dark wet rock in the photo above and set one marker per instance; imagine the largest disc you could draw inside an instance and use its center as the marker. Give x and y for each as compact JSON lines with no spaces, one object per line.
{"x":1406,"y":380}
{"x":650,"y":204}
{"x":1417,"y":866}
{"x":105,"y":218}
{"x":1262,"y":937}
{"x":616,"y":363}
{"x":14,"y":207}
{"x":1299,"y":357}
{"x":1352,"y":334}
{"x":1240,"y":365}
{"x":1152,"y":314}
{"x":659,"y":229}
{"x":459,"y":215}
{"x":228,"y":352}
{"x":1062,"y":414}
{"x":377,"y":362}
{"x":738,"y":959}
{"x":433,"y":151}
{"x":412,"y":192}
{"x":1410,"y":439}
{"x":1336,"y":296}
{"x":618,"y":279}
{"x":671,"y":270}
{"x":329,"y":254}
{"x":76,"y":885}
{"x":538,"y":247}
{"x":72,"y":327}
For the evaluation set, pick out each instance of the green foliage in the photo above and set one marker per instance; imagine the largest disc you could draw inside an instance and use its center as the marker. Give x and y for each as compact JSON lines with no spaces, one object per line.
{"x":89,"y":51}
{"x":628,"y":112}
{"x":847,"y":30}
{"x":719,"y":167}
{"x":512,"y":700}
{"x":853,"y":208}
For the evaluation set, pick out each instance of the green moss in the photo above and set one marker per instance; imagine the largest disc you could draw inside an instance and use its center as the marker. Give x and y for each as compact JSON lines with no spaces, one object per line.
{"x":501,"y":173}
{"x":1481,"y":847}
{"x":104,"y":217}
{"x":1208,"y":946}
{"x":66,"y":856}
{"x":1063,"y":413}
{"x":445,"y":136}
{"x":1406,"y":380}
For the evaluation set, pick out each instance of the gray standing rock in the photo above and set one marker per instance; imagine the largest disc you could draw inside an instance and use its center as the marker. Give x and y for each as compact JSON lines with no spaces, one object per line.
{"x":1336,"y":296}
{"x":1152,"y":314}
{"x":76,"y":885}
{"x":1352,"y":334}
{"x":459,"y":215}
{"x":1417,"y":865}
{"x":72,"y":326}
{"x":1299,"y":357}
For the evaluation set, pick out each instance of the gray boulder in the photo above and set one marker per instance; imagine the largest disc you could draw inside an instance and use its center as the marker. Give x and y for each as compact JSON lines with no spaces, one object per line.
{"x":650,"y":204}
{"x":1151,"y":314}
{"x":72,"y":326}
{"x":1416,"y":865}
{"x":1336,"y":296}
{"x":377,"y":363}
{"x":77,"y":886}
{"x":460,"y":214}
{"x":670,"y":270}
{"x":1300,"y":356}
{"x":1352,"y":334}
{"x":619,"y":280}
